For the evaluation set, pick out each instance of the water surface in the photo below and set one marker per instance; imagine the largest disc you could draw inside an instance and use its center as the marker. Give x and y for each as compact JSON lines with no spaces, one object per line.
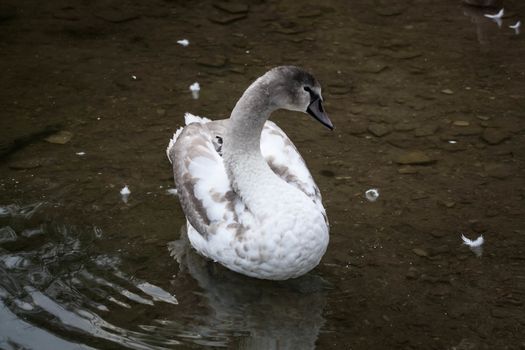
{"x":428,"y":102}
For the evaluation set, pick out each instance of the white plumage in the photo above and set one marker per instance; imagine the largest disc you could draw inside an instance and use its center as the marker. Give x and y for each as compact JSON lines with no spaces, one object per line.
{"x":250,"y":201}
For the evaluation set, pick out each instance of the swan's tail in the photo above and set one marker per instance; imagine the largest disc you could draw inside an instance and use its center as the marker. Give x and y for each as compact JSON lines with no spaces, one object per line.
{"x":188,"y":119}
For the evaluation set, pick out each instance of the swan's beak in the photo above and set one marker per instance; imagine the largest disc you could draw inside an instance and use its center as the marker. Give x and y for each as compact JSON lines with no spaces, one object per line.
{"x":316,"y":110}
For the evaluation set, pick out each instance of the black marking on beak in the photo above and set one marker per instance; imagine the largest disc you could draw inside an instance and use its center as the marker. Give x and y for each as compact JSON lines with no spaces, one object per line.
{"x":316,"y":110}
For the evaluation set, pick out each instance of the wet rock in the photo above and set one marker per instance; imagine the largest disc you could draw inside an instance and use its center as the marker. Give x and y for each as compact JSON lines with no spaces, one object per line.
{"x":24,"y":164}
{"x":371,"y":67}
{"x":389,"y":8}
{"x":310,"y":12}
{"x":430,"y":279}
{"x":214,"y":61}
{"x":494,"y":136}
{"x":467,"y":130}
{"x":339,"y":89}
{"x":156,"y":12}
{"x":426,"y":130}
{"x":228,"y":18}
{"x":407,"y":170}
{"x":288,"y":28}
{"x":501,"y":313}
{"x":439,"y":250}
{"x":238,"y":69}
{"x":415,"y":158}
{"x":358,"y":127}
{"x":10,"y":146}
{"x":402,"y":54}
{"x":231,"y":7}
{"x":499,"y":171}
{"x":447,"y":92}
{"x":403,"y":141}
{"x":116,"y":15}
{"x":412,"y":273}
{"x":460,"y":123}
{"x":418,"y":195}
{"x":438,"y":234}
{"x":379,"y":130}
{"x":405,"y":126}
{"x":466,"y":344}
{"x":327,"y":173}
{"x":441,"y":289}
{"x":447,"y":204}
{"x":420,"y":252}
{"x":62,"y":137}
{"x":424,"y":96}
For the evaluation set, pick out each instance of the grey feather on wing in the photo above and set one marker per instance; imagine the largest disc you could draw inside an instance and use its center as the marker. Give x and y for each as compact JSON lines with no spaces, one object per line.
{"x":196,"y":141}
{"x":188,"y":145}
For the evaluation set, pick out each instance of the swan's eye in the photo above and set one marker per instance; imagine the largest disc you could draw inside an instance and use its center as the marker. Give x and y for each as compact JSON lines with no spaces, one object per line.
{"x":308,"y":89}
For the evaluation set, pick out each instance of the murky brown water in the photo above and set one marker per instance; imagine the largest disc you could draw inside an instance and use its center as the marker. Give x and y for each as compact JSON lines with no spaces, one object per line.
{"x":81,"y":269}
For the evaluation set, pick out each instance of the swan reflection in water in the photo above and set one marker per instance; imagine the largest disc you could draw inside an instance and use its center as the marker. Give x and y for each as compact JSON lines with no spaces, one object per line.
{"x":60,"y":290}
{"x":254,"y":314}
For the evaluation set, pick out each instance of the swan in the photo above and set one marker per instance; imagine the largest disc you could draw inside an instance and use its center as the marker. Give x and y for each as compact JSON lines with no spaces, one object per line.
{"x":250,"y":202}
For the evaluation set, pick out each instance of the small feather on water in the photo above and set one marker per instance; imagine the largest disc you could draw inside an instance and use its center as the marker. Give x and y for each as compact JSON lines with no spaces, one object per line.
{"x":478,"y":242}
{"x":125,"y":192}
{"x":183,"y":42}
{"x":516,"y":27}
{"x":497,"y":15}
{"x":172,"y":191}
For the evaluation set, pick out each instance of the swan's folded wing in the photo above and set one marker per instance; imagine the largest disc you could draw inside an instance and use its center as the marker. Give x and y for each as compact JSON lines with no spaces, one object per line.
{"x":284,"y":159}
{"x":204,"y":188}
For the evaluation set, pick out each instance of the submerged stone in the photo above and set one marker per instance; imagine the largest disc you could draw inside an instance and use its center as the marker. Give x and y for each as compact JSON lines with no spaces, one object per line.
{"x":62,"y":137}
{"x":415,"y":158}
{"x":221,"y":18}
{"x":231,"y":7}
{"x":420,"y":252}
{"x":426,"y":130}
{"x":494,"y":136}
{"x":25,"y":164}
{"x":216,"y":61}
{"x":372,"y":67}
{"x":379,"y":130}
{"x":116,"y":15}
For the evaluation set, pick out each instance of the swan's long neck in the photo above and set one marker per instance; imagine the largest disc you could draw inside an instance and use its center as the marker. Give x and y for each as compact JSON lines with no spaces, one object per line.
{"x":245,"y":165}
{"x":247,"y":120}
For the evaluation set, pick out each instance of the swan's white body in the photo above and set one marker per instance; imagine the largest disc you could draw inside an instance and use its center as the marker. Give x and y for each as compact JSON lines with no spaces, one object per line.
{"x":251,"y":204}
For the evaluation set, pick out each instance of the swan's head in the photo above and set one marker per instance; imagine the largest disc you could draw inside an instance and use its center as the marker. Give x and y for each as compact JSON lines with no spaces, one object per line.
{"x":294,"y":89}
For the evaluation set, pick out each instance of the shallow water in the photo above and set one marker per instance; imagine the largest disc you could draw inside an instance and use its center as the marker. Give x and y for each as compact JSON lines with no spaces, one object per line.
{"x":82,"y":269}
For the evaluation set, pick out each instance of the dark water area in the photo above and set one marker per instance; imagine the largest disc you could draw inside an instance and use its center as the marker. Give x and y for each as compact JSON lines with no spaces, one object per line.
{"x":428,"y":100}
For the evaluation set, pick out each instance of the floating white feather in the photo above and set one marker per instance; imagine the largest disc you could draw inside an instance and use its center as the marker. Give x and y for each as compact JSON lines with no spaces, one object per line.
{"x":125,"y":192}
{"x":195,"y":89}
{"x":372,"y":194}
{"x":172,"y":191}
{"x":516,"y":27}
{"x":497,"y":15}
{"x":183,"y":42}
{"x":478,"y":242}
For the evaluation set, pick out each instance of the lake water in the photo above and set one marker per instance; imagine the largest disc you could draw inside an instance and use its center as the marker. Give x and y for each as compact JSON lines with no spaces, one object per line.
{"x":428,"y":101}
